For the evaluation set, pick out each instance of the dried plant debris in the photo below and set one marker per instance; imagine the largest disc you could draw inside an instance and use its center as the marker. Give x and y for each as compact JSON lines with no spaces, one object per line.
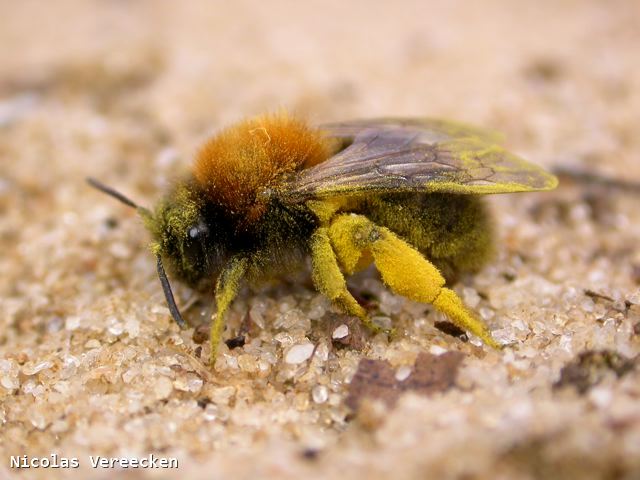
{"x":235,"y":342}
{"x":622,"y":306}
{"x":378,"y":380}
{"x":591,"y":367}
{"x":451,"y":329}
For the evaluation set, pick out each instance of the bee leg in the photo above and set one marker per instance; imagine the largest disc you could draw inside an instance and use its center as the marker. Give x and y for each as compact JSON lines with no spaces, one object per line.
{"x":330,"y":281}
{"x":402,"y":267}
{"x":227,"y":288}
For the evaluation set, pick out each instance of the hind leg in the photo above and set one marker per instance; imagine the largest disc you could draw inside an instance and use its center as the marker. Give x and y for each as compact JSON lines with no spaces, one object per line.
{"x":402,"y":267}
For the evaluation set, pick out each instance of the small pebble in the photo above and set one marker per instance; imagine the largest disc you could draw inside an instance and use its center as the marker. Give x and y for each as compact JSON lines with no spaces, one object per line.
{"x":163,"y":388}
{"x":9,"y":382}
{"x":437,"y":350}
{"x":194,"y":384}
{"x":211,"y":412}
{"x":299,"y":353}
{"x":601,"y":397}
{"x":340,"y":332}
{"x":486,"y":313}
{"x":403,"y":373}
{"x":119,"y":250}
{"x":71,"y":323}
{"x":115,"y":327}
{"x":320,"y":394}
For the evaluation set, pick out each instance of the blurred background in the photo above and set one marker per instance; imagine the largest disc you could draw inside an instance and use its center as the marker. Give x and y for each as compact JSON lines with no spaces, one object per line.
{"x":561,"y":78}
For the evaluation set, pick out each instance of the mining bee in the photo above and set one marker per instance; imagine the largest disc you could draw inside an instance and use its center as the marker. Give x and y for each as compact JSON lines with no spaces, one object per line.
{"x":403,"y":194}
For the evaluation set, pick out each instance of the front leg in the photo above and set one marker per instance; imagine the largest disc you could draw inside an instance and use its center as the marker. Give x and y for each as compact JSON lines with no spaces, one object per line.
{"x":227,"y":288}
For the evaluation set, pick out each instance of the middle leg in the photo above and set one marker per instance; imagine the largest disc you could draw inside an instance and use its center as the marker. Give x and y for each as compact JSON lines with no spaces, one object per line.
{"x":330,"y":281}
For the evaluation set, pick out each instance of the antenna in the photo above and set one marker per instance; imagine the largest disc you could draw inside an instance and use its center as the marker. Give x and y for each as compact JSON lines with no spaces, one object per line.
{"x":117,"y":195}
{"x":166,"y":287}
{"x":168,"y":294}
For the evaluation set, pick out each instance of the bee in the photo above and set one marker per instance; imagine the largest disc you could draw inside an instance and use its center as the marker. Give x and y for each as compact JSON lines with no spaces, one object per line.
{"x":401,"y":194}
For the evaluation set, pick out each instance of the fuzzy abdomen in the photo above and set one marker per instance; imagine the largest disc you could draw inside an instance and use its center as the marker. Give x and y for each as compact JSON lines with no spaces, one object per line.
{"x":453,"y":231}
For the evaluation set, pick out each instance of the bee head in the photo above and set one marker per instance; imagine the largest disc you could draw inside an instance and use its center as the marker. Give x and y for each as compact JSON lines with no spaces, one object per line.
{"x":192,"y":245}
{"x":186,"y":235}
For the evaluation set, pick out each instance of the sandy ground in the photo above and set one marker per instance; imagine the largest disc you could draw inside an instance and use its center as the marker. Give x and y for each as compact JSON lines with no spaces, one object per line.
{"x":91,"y":363}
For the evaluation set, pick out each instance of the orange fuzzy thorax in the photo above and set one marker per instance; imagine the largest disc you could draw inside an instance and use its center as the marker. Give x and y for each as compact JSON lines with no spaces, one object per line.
{"x":240,"y":163}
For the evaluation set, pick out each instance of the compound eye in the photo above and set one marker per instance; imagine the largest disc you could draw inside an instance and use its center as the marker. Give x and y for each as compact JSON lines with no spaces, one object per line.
{"x":199,"y":230}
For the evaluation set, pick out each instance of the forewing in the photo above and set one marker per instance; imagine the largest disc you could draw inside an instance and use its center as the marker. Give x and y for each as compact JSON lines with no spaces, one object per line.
{"x":393,"y":155}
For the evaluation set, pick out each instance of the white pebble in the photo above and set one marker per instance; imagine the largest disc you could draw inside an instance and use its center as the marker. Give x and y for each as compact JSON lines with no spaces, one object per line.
{"x":601,"y":397}
{"x":565,"y":343}
{"x":211,"y":412}
{"x":299,"y":353}
{"x":132,"y":327}
{"x":437,"y":350}
{"x":403,"y":373}
{"x":159,"y":310}
{"x":256,"y":312}
{"x":9,"y":382}
{"x":119,"y":250}
{"x":71,"y":323}
{"x":320,"y":394}
{"x":38,"y":420}
{"x":163,"y":388}
{"x":115,"y":327}
{"x":486,"y":313}
{"x":340,"y":332}
{"x":504,"y":336}
{"x":194,"y":384}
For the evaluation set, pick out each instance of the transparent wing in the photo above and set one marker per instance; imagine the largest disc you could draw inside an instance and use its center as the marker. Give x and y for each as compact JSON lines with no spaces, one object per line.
{"x":421,"y":155}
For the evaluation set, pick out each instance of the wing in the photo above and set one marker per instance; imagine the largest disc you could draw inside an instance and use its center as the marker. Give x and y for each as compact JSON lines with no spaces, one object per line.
{"x":417,"y":155}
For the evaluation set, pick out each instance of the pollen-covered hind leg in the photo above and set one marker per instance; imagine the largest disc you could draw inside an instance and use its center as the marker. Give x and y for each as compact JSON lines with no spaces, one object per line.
{"x":402,"y":267}
{"x":330,"y":281}
{"x":227,"y":288}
